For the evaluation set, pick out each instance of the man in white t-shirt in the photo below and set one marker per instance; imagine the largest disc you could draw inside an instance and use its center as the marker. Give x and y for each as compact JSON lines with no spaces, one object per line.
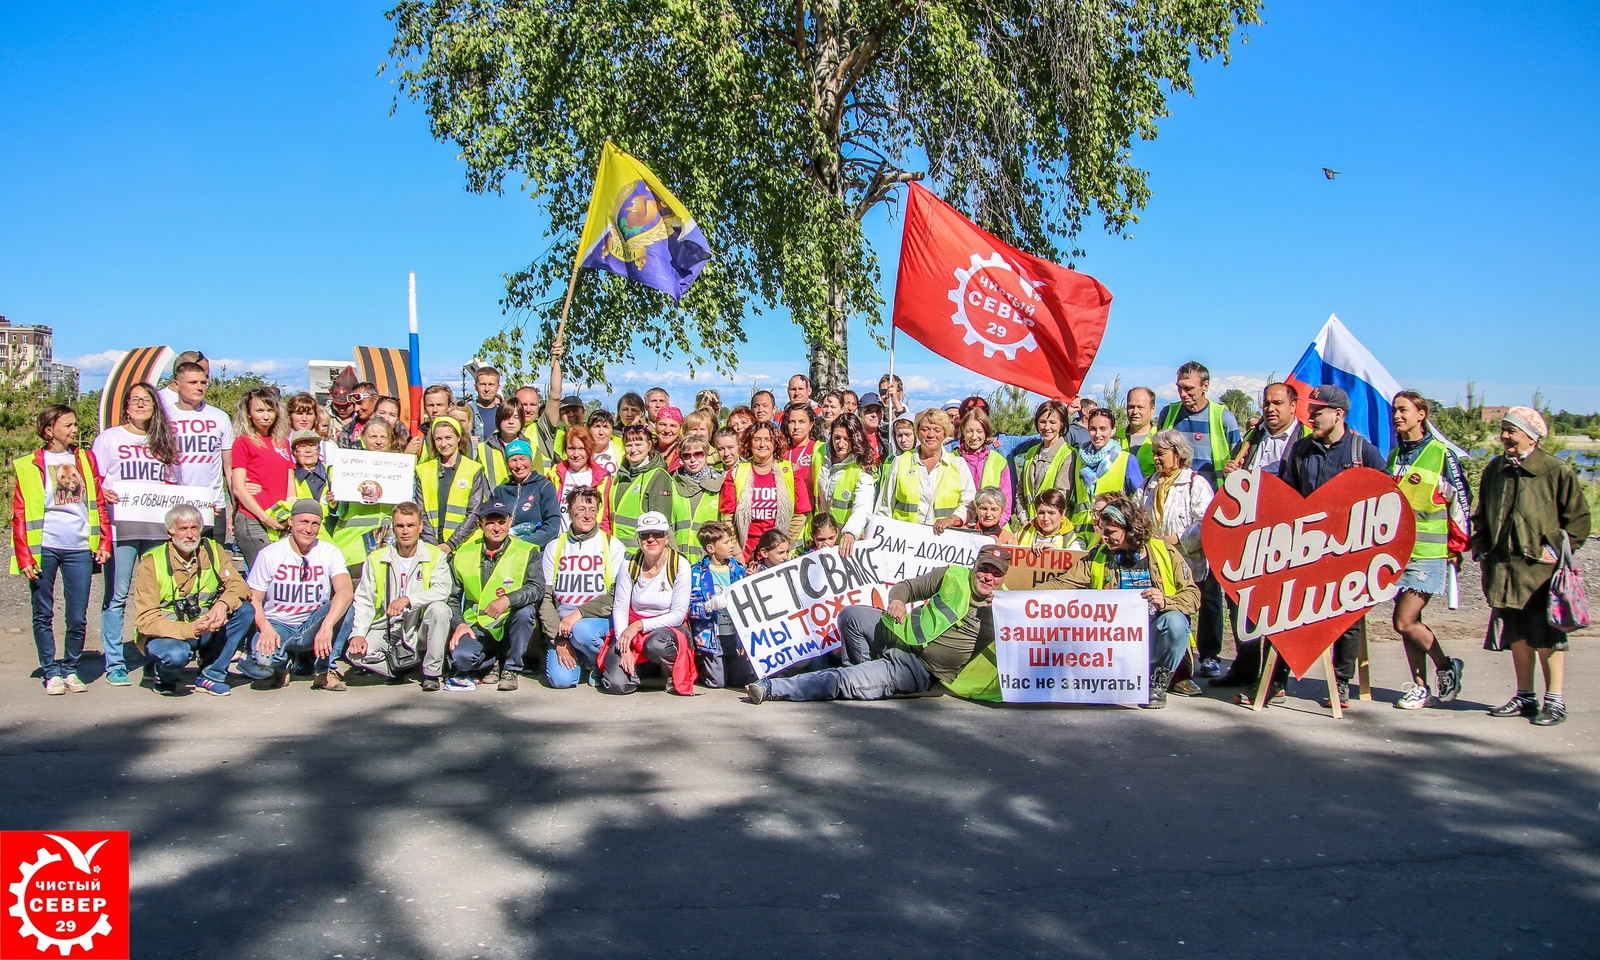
{"x":205,"y":439}
{"x":400,"y":606}
{"x":580,"y":568}
{"x":300,"y":588}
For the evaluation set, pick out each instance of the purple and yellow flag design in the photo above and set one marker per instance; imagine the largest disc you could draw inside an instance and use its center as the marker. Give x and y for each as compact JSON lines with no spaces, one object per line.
{"x":636,"y":228}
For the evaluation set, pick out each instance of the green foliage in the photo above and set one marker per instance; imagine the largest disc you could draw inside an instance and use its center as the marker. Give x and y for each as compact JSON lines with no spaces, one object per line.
{"x":1009,"y":411}
{"x":1113,"y":399}
{"x":780,"y":127}
{"x":1241,"y":403}
{"x":1463,"y":425}
{"x":226,"y":390}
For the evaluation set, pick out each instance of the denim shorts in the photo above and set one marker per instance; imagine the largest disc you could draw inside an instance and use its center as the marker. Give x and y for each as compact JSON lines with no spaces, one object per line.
{"x":1424,"y":576}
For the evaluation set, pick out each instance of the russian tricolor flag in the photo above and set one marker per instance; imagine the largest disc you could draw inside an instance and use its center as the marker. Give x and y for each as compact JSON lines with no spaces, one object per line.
{"x":1337,"y":357}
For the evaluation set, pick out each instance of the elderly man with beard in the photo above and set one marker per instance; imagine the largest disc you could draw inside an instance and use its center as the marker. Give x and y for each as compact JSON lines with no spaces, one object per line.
{"x":190,"y":603}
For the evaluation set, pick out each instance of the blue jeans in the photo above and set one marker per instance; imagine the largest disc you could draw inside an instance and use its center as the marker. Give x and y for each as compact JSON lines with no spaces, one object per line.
{"x":214,"y":650}
{"x":587,"y":635}
{"x":77,"y":572}
{"x":303,"y":637}
{"x":860,"y":635}
{"x":480,"y":650}
{"x":1169,"y":639}
{"x":113,"y":608}
{"x":898,"y":672}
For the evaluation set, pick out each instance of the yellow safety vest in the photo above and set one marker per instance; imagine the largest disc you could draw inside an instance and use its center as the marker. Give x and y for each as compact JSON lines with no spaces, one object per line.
{"x":281,"y":510}
{"x":1218,"y":437}
{"x":908,"y":489}
{"x":476,"y":593}
{"x":1420,"y":484}
{"x":1160,"y":560}
{"x":30,"y":483}
{"x":846,"y":476}
{"x":1026,"y":490}
{"x":456,"y":503}
{"x":428,"y":557}
{"x":207,"y":586}
{"x":1112,"y":481}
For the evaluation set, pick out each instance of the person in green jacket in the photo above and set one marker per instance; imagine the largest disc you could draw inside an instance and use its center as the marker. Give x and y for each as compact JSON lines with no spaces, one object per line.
{"x":642,"y":485}
{"x":949,"y":640}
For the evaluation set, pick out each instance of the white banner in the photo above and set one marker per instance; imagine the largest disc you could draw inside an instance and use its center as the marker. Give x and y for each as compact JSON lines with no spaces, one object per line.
{"x":1073,"y":646}
{"x":790,"y":613}
{"x":147,"y":503}
{"x":362,"y":476}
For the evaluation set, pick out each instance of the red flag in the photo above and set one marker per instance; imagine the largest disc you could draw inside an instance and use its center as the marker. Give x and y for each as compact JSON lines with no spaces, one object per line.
{"x":990,"y":307}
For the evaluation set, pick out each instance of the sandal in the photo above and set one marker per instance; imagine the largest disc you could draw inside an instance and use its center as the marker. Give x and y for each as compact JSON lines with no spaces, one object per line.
{"x":329,"y":681}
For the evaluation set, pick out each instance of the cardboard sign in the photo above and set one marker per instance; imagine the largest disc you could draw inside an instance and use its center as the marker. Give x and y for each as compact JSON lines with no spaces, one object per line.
{"x":1030,"y":570}
{"x":147,"y":503}
{"x":1303,"y":569}
{"x":790,"y":613}
{"x":1072,"y":646}
{"x":362,"y":476}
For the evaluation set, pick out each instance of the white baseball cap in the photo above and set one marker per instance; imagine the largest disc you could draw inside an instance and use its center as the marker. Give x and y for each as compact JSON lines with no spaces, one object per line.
{"x":653,"y":521}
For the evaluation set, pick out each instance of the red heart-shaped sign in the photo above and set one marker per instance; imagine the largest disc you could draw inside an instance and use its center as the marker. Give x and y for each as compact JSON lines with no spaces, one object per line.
{"x":1303,"y":569}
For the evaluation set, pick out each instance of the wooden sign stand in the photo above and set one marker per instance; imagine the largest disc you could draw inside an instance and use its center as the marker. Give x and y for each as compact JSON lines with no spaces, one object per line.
{"x":1271,"y":663}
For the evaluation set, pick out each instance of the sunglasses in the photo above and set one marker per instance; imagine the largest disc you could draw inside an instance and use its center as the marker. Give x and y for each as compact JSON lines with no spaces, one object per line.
{"x":358,"y":397}
{"x":691,"y":454}
{"x":651,"y":535}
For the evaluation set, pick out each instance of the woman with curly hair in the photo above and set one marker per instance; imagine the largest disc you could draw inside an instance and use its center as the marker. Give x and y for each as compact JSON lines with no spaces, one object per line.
{"x":758,"y":493}
{"x":845,"y":479}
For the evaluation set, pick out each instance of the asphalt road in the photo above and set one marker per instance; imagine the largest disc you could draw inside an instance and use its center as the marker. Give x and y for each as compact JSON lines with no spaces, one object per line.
{"x":384,"y":822}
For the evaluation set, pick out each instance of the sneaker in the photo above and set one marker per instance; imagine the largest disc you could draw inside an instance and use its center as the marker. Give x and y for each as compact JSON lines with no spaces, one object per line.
{"x":430,"y":684}
{"x":508,"y":680}
{"x":460,"y":685}
{"x":276,"y":680}
{"x":75,"y":685}
{"x":167,"y":688}
{"x":1551,"y":714}
{"x":1414,"y":696}
{"x":1209,"y":667}
{"x":55,"y":687}
{"x":1449,"y":681}
{"x":207,"y":685}
{"x":252,"y":669}
{"x":1343,"y":691}
{"x":755,"y":692}
{"x":118,"y":677}
{"x":329,"y":680}
{"x":1517,"y":707}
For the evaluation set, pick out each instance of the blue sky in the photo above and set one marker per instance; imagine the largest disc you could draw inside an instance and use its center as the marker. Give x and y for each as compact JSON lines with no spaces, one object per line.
{"x":230,"y":177}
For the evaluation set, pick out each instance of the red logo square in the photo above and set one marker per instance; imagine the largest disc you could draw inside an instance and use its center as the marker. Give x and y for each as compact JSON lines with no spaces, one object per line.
{"x":65,"y":894}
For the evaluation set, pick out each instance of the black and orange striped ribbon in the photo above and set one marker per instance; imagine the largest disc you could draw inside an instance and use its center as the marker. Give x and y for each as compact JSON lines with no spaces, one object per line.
{"x":387,"y":368}
{"x":140,"y":365}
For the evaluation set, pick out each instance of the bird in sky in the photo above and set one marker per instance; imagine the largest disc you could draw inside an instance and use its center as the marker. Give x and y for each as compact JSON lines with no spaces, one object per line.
{"x":1329,"y":172}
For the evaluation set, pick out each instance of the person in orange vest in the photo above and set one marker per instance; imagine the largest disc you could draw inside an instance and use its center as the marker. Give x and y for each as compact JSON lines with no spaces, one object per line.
{"x":59,"y":525}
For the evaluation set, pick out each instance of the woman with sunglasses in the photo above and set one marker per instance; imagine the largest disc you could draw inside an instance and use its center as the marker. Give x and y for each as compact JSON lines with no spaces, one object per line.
{"x":698,"y":486}
{"x":259,"y":476}
{"x":144,"y":449}
{"x":647,"y":616}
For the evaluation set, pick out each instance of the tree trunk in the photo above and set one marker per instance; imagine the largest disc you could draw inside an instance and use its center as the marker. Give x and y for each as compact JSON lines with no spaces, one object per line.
{"x":830,"y":353}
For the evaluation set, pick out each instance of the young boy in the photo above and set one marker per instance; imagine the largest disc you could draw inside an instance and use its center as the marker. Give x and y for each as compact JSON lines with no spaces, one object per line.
{"x":709,"y":623}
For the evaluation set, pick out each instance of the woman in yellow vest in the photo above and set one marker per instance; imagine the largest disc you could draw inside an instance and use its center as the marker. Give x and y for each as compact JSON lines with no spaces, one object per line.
{"x":1044,"y":463}
{"x":1099,"y":467}
{"x":989,"y":467}
{"x":491,"y":453}
{"x":758,"y":493}
{"x":1431,"y":480}
{"x":451,"y":487}
{"x":844,"y":481}
{"x":697,"y":496}
{"x":1127,"y":557}
{"x":1048,"y":528}
{"x":928,"y":485}
{"x":578,"y":468}
{"x":58,"y":525}
{"x":361,"y":528}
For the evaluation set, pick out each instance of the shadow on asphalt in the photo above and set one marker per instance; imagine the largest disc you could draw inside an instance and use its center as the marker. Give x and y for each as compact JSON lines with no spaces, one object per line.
{"x":920,"y":829}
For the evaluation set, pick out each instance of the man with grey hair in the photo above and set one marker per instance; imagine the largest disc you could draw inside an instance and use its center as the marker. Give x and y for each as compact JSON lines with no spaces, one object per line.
{"x":189,"y":603}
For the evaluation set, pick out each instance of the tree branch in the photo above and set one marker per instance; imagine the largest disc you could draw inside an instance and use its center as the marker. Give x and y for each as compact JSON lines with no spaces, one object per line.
{"x":882,"y":182}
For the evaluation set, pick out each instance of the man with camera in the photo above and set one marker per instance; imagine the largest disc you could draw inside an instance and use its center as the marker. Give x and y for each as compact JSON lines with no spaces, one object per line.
{"x":400,"y":614}
{"x":189,"y":602}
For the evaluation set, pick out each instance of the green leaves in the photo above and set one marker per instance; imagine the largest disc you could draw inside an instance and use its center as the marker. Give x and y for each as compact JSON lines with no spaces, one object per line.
{"x":781,"y":127}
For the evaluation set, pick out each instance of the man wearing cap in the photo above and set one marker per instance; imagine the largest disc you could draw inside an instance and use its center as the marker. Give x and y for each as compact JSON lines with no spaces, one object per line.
{"x":450,"y":487}
{"x":1530,"y":506}
{"x":401,"y":612}
{"x":949,"y":640}
{"x":495,"y":602}
{"x":669,"y":430}
{"x":531,"y":497}
{"x":1330,"y":449}
{"x":300,"y":589}
{"x":365,"y":400}
{"x":871,"y":412}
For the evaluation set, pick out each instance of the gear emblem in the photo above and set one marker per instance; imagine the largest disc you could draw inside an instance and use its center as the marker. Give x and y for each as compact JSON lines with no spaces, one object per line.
{"x":84,"y":941}
{"x":995,"y":318}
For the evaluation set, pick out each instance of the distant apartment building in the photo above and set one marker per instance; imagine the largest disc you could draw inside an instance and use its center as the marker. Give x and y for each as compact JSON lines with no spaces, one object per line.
{"x":25,"y":354}
{"x":1494,"y":414}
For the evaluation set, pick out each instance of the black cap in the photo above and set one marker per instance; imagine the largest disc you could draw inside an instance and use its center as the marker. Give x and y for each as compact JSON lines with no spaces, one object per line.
{"x":993,"y":556}
{"x":571,"y":400}
{"x":495,"y":507}
{"x":1329,"y":395}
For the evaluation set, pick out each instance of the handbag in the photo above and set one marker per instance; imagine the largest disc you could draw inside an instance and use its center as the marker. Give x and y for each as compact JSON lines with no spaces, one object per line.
{"x":1568,"y":609}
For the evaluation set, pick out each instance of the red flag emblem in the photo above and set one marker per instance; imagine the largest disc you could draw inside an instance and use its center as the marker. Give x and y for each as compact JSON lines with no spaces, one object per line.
{"x":990,"y":307}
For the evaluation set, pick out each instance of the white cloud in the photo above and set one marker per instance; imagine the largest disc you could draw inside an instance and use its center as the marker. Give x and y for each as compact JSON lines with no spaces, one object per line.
{"x":101,"y":362}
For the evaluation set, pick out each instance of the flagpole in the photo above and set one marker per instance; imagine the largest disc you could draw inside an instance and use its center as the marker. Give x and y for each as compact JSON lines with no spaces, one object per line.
{"x":891,"y":368}
{"x":415,"y":371}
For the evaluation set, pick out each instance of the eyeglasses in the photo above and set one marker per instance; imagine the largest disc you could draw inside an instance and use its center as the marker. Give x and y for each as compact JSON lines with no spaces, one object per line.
{"x":651,"y":535}
{"x":691,"y":454}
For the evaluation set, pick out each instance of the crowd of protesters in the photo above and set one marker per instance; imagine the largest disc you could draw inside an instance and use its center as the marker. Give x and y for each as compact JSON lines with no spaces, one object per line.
{"x":597,"y":547}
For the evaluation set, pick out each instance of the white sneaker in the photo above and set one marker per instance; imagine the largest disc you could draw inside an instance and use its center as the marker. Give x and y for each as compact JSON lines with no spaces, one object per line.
{"x":1449,"y":681}
{"x":74,"y":685}
{"x":1413,"y":696}
{"x":55,"y":687}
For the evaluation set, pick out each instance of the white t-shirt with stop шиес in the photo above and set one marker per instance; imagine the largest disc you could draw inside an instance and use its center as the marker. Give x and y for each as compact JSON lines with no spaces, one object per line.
{"x":295,"y":586}
{"x":203,"y":436}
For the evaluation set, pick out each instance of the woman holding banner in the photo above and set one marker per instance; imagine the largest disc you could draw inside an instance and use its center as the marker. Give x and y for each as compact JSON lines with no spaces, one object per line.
{"x":260,"y":474}
{"x":360,"y":528}
{"x":846,"y":485}
{"x":928,"y":485}
{"x":141,"y":449}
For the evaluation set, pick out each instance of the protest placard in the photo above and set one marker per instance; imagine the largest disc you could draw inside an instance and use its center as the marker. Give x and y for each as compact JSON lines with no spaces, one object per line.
{"x":1072,"y":646}
{"x":790,"y":613}
{"x":147,"y":503}
{"x":1029,"y":569}
{"x":364,"y":476}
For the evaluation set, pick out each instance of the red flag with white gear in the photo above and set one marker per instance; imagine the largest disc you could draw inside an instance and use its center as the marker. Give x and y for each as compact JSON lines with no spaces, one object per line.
{"x":993,"y":309}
